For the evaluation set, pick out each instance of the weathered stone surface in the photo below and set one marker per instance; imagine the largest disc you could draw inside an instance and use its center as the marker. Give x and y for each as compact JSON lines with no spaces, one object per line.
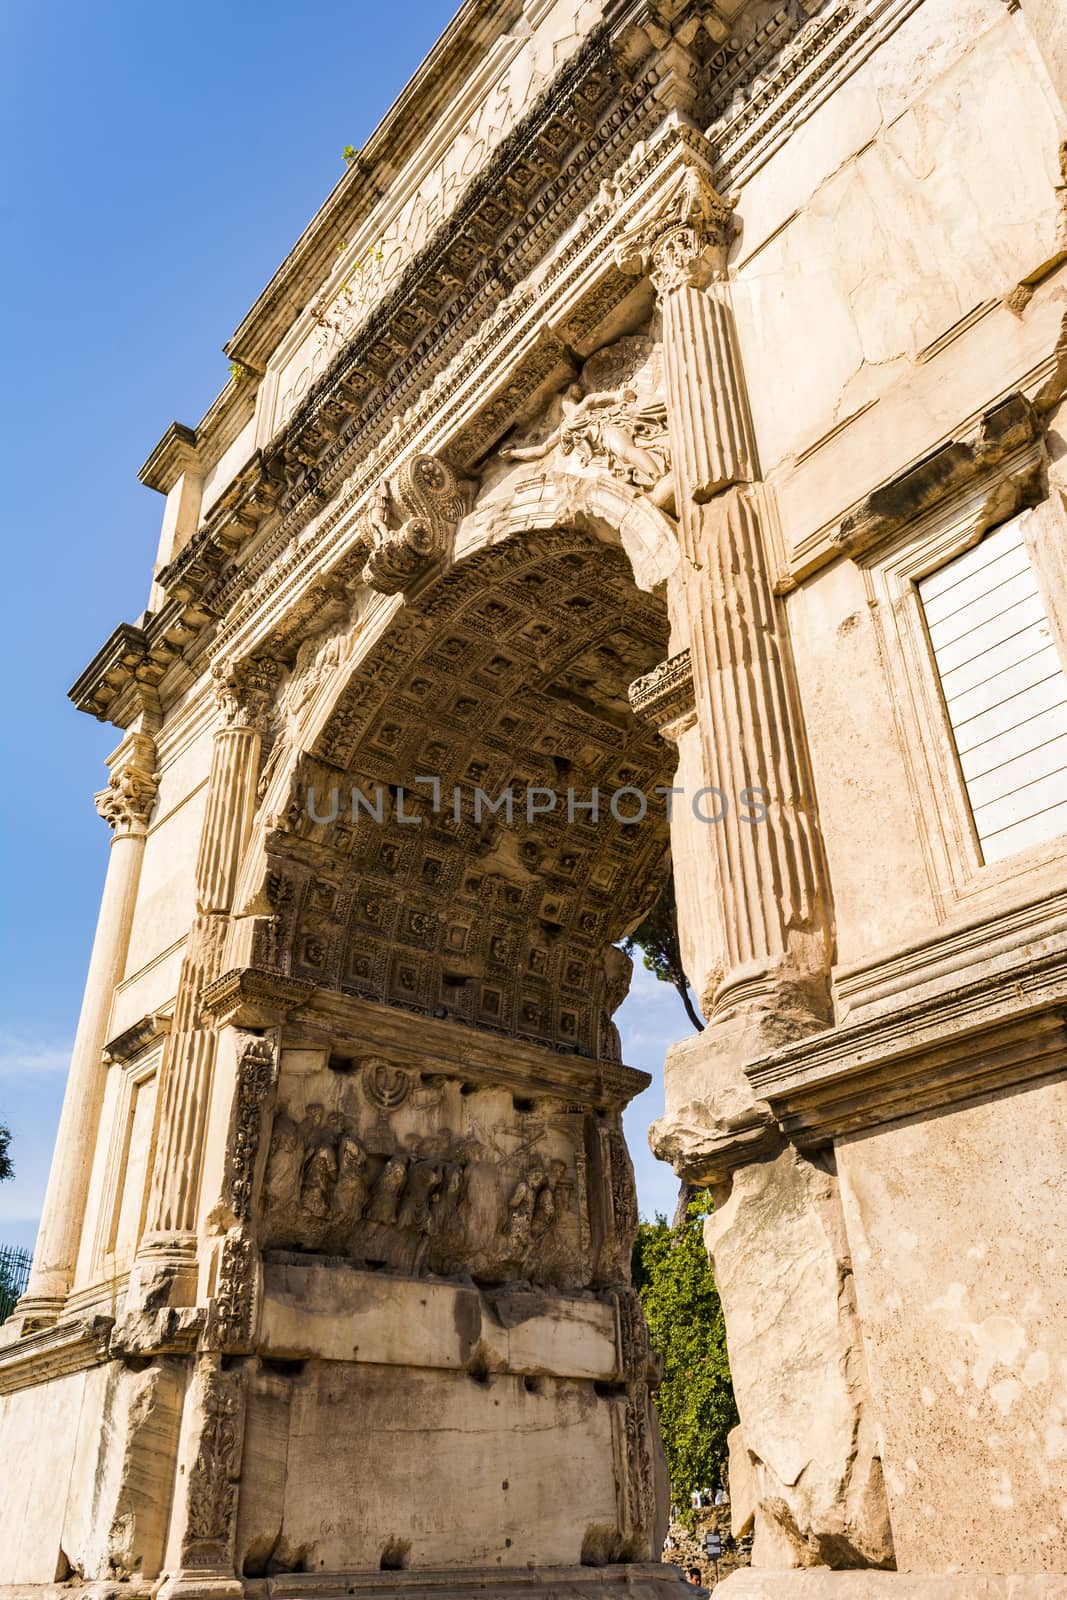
{"x":744,"y":1492}
{"x":781,"y":1264}
{"x":822,"y":1585}
{"x":958,"y":1235}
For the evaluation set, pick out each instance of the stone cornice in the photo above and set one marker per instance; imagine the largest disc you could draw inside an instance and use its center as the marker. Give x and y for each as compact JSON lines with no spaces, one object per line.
{"x":54,"y":1352}
{"x":251,"y":997}
{"x":666,"y":693}
{"x":133,"y":1041}
{"x":123,"y":677}
{"x":455,"y":56}
{"x":174,"y":454}
{"x":989,"y":1034}
{"x":1003,"y":430}
{"x":485,"y":317}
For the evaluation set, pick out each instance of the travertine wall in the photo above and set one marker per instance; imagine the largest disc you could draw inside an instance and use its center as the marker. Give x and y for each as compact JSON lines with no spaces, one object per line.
{"x":957,"y":1230}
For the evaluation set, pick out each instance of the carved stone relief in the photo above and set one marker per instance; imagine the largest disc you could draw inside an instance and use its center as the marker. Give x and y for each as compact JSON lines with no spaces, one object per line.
{"x":411,"y":520}
{"x":613,"y":419}
{"x":218,"y":1401}
{"x":233,"y":1316}
{"x":416,"y":1174}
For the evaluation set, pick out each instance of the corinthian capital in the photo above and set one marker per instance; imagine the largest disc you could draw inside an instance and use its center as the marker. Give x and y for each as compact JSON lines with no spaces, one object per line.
{"x":133,"y":784}
{"x":246,"y":692}
{"x":683,"y":241}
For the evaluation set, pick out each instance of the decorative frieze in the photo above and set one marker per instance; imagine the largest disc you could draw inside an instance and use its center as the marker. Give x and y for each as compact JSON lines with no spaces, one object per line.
{"x":422,"y":1174}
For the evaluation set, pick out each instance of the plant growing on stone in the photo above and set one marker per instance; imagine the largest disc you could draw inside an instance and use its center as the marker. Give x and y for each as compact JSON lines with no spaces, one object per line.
{"x":657,"y":938}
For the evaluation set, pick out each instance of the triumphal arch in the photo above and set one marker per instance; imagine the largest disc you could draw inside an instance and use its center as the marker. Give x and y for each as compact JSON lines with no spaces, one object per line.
{"x":651,"y":452}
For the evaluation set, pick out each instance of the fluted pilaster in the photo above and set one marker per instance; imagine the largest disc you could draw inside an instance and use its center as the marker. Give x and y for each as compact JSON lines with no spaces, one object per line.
{"x":245,"y":698}
{"x":770,"y":900}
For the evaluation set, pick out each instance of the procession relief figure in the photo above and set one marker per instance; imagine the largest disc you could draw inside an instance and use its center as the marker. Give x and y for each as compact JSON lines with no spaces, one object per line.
{"x":445,"y":1224}
{"x":320,"y":1176}
{"x":285,"y":1161}
{"x":545,"y":1207}
{"x":385,"y":1201}
{"x":521,"y":1203}
{"x":351,"y":1191}
{"x":424,"y":1177}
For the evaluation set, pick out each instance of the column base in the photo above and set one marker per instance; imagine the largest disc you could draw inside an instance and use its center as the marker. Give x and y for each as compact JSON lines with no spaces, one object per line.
{"x":192,"y":1585}
{"x":819,"y":1583}
{"x":712,"y":1121}
{"x":31,"y":1315}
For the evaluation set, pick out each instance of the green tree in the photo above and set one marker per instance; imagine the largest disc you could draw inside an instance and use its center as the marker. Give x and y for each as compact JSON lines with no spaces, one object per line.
{"x":672,"y":1275}
{"x":9,"y":1285}
{"x":657,"y":938}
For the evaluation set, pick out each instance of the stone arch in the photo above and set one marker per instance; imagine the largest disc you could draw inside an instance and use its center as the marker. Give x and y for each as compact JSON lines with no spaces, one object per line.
{"x":596,"y":503}
{"x":507,"y":675}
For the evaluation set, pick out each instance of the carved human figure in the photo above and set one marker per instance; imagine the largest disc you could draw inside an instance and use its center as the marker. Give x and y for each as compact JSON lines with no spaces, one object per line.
{"x":351,"y":1190}
{"x":376,"y":517}
{"x":449,"y":1198}
{"x":386,"y":1198}
{"x":603,"y":423}
{"x":285,"y":1159}
{"x":313,"y":1127}
{"x":424,"y":1176}
{"x":320,"y":1175}
{"x":546,"y":1208}
{"x":521,"y":1205}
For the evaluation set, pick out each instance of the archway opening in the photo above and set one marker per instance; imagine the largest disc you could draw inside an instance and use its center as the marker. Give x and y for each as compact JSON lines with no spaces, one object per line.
{"x":478,"y":824}
{"x":447,"y":1204}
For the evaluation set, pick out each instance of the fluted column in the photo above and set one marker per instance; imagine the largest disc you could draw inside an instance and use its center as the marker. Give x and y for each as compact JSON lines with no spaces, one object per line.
{"x":777,"y":1237}
{"x":125,"y":805}
{"x":770,"y":904}
{"x":246,"y":695}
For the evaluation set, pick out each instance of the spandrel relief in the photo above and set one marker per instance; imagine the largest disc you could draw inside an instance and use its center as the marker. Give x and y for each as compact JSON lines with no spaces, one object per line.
{"x":613,"y":419}
{"x":414,"y":1173}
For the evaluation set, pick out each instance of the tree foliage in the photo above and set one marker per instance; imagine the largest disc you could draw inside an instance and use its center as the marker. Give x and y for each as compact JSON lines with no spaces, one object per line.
{"x":657,"y":938}
{"x":672,"y":1275}
{"x":7,"y":1166}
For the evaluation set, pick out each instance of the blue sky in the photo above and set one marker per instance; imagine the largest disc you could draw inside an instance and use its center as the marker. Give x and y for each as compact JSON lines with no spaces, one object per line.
{"x":157,"y":166}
